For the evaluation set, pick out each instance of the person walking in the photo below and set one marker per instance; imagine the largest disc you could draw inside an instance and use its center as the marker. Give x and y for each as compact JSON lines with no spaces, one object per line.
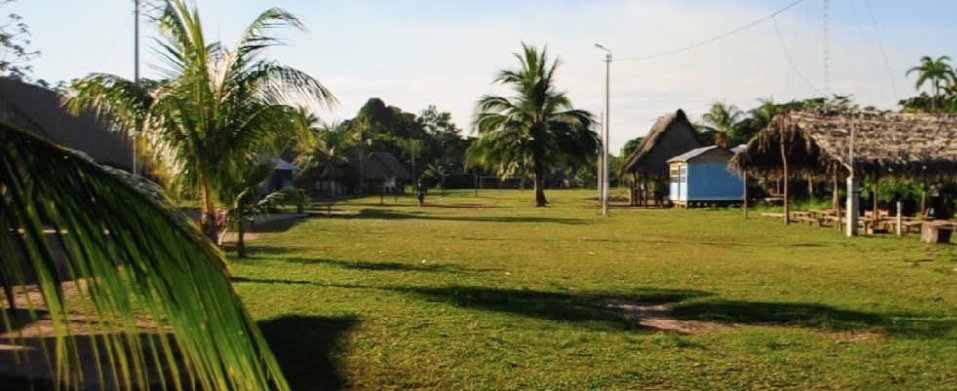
{"x":420,"y":193}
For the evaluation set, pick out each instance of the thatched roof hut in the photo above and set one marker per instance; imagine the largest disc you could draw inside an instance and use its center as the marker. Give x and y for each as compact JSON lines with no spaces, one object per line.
{"x":671,"y":136}
{"x":38,"y":110}
{"x":885,"y":144}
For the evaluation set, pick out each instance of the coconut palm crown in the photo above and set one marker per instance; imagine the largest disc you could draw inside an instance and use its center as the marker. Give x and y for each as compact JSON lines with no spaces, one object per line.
{"x":214,"y":108}
{"x":535,"y":129}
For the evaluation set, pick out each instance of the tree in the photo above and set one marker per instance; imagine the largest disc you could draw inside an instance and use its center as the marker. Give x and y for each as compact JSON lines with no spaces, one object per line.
{"x":246,"y":200}
{"x":938,"y":72}
{"x":722,"y":118}
{"x":328,"y":153}
{"x":536,"y":128}
{"x":217,"y":107}
{"x":136,"y":256}
{"x":436,"y":170}
{"x":15,"y":52}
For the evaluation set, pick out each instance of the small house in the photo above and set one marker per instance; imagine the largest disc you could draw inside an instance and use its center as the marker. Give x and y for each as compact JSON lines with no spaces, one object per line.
{"x":672,"y":134}
{"x":702,"y":176}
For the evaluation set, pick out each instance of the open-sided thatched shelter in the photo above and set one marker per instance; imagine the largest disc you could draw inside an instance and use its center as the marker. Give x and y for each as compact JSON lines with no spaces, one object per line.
{"x":672,"y":135}
{"x":909,"y":145}
{"x":885,"y":144}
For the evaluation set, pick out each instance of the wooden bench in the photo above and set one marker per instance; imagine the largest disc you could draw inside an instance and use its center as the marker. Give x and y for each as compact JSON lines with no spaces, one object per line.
{"x":936,"y":232}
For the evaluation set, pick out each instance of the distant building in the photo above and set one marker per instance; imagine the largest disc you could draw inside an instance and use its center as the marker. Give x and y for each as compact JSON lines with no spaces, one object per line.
{"x":671,"y":135}
{"x":702,"y":176}
{"x":39,"y":110}
{"x":381,"y":172}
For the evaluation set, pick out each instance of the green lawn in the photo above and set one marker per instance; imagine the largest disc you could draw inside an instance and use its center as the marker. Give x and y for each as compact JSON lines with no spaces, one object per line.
{"x":489,"y":293}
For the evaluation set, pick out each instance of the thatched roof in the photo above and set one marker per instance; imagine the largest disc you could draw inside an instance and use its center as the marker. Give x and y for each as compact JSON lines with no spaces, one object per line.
{"x":816,"y":143}
{"x":382,"y":166}
{"x":671,"y":136}
{"x":37,"y":109}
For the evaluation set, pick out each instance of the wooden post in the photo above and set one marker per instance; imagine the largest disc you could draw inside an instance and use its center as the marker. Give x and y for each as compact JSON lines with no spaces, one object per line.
{"x":875,"y":194}
{"x":810,"y":186}
{"x":745,"y":194}
{"x":900,"y":231}
{"x":784,"y":163}
{"x":835,"y":198}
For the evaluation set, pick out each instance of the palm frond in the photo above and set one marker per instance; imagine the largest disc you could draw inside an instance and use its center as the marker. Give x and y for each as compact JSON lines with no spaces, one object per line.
{"x":137,"y":257}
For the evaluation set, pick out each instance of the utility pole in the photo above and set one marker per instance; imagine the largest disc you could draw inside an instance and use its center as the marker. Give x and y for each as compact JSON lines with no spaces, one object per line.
{"x":605,"y":126}
{"x":136,"y":70}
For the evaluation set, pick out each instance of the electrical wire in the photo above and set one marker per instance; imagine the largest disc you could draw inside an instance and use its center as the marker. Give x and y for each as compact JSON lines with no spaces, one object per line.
{"x":880,"y":42}
{"x":712,"y":39}
{"x":787,"y":54}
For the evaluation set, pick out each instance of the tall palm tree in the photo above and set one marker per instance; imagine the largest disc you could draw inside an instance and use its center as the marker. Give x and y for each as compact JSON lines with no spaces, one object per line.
{"x":133,"y":256}
{"x":936,"y":71}
{"x":722,"y":118}
{"x":536,"y":128}
{"x":215,"y":107}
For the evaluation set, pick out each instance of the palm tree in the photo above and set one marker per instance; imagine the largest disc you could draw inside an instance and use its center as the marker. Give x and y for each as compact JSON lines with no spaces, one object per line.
{"x":436,"y":170}
{"x":66,"y":218}
{"x":246,"y":199}
{"x":936,"y":71}
{"x":722,"y":118}
{"x":215,"y":108}
{"x":536,"y":128}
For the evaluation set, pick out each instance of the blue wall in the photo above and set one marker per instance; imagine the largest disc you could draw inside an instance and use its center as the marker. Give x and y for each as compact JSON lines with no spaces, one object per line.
{"x":713,"y":181}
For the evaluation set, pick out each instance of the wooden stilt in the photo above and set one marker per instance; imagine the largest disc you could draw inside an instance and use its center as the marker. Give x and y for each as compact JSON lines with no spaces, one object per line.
{"x":745,"y":204}
{"x":836,"y":198}
{"x":784,"y":162}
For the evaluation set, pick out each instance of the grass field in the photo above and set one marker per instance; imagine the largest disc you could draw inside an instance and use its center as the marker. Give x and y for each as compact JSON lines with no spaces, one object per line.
{"x":489,"y":293}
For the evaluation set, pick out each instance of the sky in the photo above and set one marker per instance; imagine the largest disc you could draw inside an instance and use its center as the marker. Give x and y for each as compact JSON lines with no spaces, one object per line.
{"x":416,"y":53}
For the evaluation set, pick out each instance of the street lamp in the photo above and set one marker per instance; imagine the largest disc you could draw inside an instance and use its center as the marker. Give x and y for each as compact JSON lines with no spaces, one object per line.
{"x":605,"y":125}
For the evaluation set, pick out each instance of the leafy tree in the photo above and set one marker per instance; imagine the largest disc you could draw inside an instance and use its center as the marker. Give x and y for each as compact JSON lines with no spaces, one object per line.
{"x":437,"y":171}
{"x":536,"y":128}
{"x":136,"y":256}
{"x":938,"y":72}
{"x":15,"y":52}
{"x":328,"y":153}
{"x":723,"y":119}
{"x":630,"y":146}
{"x":216,"y":108}
{"x":247,"y":200}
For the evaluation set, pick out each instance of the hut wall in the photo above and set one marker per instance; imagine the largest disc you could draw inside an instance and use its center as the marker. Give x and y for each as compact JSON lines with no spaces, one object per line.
{"x":713,"y":181}
{"x":678,"y":185}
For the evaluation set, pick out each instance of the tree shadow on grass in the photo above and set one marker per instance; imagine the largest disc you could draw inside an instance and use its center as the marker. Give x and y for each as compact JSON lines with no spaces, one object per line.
{"x":582,"y":309}
{"x":390,"y":266}
{"x":300,"y":282}
{"x":386,"y":214}
{"x":307,"y":347}
{"x":277,"y":223}
{"x":818,"y":316}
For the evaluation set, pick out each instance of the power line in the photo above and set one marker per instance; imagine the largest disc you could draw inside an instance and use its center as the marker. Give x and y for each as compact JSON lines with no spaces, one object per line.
{"x":791,"y":59}
{"x":880,"y":42}
{"x":715,"y":38}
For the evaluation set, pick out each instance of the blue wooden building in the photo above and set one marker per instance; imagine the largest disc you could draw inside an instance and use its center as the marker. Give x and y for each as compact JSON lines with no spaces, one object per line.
{"x":702,"y":176}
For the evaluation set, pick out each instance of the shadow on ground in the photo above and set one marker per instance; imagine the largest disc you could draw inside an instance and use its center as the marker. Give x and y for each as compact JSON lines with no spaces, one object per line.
{"x":586,"y":309}
{"x":306,"y":348}
{"x":390,"y":266}
{"x":300,"y":282}
{"x":816,"y":316}
{"x":566,"y":307}
{"x":386,"y":214}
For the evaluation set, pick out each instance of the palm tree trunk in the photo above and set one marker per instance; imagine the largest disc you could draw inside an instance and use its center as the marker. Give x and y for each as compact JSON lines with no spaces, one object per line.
{"x":207,"y":210}
{"x":240,"y":232}
{"x":539,"y":173}
{"x":539,"y":188}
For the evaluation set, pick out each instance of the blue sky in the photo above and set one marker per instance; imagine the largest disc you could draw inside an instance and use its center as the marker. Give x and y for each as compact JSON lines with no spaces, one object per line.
{"x":416,"y":53}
